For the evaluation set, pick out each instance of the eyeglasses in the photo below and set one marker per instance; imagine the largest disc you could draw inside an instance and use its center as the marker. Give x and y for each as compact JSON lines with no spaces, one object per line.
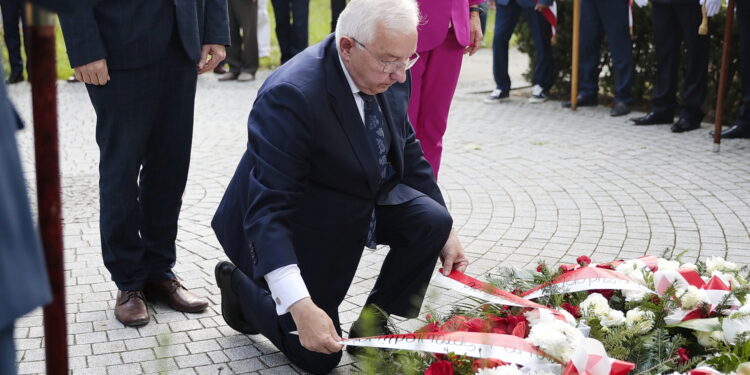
{"x":392,"y":66}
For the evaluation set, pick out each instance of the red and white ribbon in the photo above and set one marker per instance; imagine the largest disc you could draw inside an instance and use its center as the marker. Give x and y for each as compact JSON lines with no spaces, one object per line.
{"x":585,"y":278}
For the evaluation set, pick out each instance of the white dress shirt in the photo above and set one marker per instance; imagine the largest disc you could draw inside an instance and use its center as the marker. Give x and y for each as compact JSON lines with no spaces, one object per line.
{"x":286,"y":283}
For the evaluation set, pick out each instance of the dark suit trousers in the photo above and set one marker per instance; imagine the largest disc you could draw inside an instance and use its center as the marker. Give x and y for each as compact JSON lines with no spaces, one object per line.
{"x":337,"y":6}
{"x":673,"y":24}
{"x":144,"y":131}
{"x":743,"y":23}
{"x":416,"y":232}
{"x":291,"y":26}
{"x":506,"y":19}
{"x":7,"y":351}
{"x":242,"y":55}
{"x":13,"y":12}
{"x":608,"y":17}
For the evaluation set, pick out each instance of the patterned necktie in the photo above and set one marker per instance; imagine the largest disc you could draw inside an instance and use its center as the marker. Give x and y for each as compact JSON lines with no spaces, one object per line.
{"x":374,"y":123}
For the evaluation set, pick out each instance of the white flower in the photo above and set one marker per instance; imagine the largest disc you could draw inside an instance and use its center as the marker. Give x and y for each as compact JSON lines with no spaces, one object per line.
{"x":667,"y":265}
{"x":736,"y":324}
{"x":612,"y":318}
{"x":634,"y":269}
{"x":570,"y":318}
{"x":500,"y":370}
{"x":693,"y":297}
{"x":709,"y":339}
{"x":719,"y":264}
{"x":595,"y":305}
{"x":743,"y":368}
{"x":689,"y":266}
{"x":556,"y":338}
{"x":640,"y":319}
{"x":634,"y":295}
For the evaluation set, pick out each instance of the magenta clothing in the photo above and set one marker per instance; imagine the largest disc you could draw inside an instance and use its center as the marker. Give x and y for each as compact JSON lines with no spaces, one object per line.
{"x":443,"y":37}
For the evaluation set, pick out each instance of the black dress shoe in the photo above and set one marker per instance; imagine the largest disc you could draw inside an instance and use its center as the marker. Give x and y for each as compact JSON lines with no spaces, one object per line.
{"x":14,"y":77}
{"x":619,"y":109}
{"x":372,"y":321}
{"x":591,"y":101}
{"x":653,"y":118}
{"x":230,"y":304}
{"x":735,"y":131}
{"x":685,"y":125}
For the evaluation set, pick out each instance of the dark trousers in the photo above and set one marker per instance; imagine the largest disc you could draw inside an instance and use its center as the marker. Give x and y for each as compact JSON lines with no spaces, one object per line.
{"x":291,"y":26}
{"x":144,"y":127}
{"x":242,"y":55}
{"x":743,"y":23}
{"x":608,"y":17}
{"x":7,"y":351}
{"x":337,"y":6}
{"x":13,"y":12}
{"x":416,"y":232}
{"x":506,"y":19}
{"x":673,"y":24}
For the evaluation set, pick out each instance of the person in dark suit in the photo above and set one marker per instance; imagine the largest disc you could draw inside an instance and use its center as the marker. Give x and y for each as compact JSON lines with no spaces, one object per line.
{"x":741,"y":127}
{"x":675,"y":22}
{"x":506,"y":18}
{"x":13,"y":13}
{"x":291,"y":26}
{"x":138,"y":59}
{"x":24,"y":285}
{"x":242,"y":55}
{"x":332,"y":165}
{"x":610,"y":17}
{"x":337,"y":6}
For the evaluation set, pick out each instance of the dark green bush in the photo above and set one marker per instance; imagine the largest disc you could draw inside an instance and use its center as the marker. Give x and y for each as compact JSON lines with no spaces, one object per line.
{"x":645,"y":59}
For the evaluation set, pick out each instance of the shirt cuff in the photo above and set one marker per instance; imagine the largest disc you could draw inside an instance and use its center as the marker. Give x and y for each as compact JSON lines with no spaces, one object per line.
{"x":287,"y":287}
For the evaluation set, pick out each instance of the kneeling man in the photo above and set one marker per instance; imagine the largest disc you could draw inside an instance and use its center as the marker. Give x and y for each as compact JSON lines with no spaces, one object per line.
{"x":332,"y":166}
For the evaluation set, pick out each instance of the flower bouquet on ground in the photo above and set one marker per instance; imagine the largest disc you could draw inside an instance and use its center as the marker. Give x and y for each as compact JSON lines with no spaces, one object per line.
{"x":642,"y":316}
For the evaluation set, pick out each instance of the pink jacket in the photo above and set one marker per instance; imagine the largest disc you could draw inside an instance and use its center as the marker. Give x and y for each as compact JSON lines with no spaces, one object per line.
{"x":437,"y":16}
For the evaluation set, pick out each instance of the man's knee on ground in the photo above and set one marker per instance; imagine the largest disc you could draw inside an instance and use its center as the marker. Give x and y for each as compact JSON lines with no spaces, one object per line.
{"x":438,"y":222}
{"x":316,"y":363}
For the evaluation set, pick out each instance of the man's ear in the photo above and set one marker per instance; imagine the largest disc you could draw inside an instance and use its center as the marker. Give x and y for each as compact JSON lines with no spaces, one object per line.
{"x":345,"y":47}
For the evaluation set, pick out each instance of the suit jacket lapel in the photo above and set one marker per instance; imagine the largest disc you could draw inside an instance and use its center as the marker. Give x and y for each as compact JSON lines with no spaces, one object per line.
{"x":346,"y":111}
{"x":396,"y":149}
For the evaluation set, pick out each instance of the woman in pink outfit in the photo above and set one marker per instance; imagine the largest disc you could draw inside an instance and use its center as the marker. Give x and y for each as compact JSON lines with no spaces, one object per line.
{"x":450,"y":28}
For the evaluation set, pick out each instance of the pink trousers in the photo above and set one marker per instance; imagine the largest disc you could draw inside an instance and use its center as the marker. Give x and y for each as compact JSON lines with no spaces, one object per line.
{"x":434,"y":78}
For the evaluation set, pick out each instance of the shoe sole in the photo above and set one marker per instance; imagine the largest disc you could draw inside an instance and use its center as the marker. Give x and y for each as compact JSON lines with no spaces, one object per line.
{"x":228,"y":305}
{"x":137,"y":323}
{"x":537,"y":101}
{"x":492,"y":101}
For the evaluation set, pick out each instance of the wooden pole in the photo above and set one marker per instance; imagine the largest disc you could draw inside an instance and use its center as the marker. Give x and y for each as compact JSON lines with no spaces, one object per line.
{"x":43,"y":77}
{"x":724,"y":75}
{"x":576,"y":44}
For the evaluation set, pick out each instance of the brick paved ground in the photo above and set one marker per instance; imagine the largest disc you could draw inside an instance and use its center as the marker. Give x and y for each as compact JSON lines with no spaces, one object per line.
{"x":524,"y":182}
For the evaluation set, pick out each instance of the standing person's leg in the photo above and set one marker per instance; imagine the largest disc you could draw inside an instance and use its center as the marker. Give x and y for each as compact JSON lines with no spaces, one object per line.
{"x":7,"y":351}
{"x":300,"y":14}
{"x":506,"y":17}
{"x":11,"y":10}
{"x":743,"y":24}
{"x":234,"y":51}
{"x":667,"y":48}
{"x":264,"y":29}
{"x":337,"y":6}
{"x":281,"y":12}
{"x":436,"y":88}
{"x":415,"y":100}
{"x":589,"y":55}
{"x":248,"y":12}
{"x":695,"y":83}
{"x":541,"y":32}
{"x":616,"y":26}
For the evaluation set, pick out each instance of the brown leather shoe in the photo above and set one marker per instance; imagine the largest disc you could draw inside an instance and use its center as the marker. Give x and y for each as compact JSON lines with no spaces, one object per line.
{"x":176,"y":296}
{"x":130,"y":308}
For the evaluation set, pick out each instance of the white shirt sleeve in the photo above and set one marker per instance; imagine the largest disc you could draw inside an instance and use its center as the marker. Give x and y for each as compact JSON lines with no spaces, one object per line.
{"x":287,"y":287}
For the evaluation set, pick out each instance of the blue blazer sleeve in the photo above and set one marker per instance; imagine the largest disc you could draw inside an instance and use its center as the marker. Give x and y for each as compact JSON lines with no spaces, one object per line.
{"x":279,"y":149}
{"x":82,"y":38}
{"x":217,"y":23}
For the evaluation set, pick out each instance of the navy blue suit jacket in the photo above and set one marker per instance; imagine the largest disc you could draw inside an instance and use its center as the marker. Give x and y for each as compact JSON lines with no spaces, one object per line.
{"x":134,"y":33}
{"x":23,"y":275}
{"x":309,"y":179}
{"x":525,"y":3}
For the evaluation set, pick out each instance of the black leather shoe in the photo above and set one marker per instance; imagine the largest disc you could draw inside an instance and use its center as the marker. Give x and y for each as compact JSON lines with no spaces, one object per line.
{"x":591,"y":101}
{"x":14,"y":77}
{"x":230,"y":304}
{"x":653,"y":118}
{"x":685,"y":125}
{"x":372,"y":321}
{"x":735,"y":131}
{"x":619,"y":109}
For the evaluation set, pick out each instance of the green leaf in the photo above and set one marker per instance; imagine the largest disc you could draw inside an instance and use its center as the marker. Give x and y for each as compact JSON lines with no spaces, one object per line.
{"x":701,"y":325}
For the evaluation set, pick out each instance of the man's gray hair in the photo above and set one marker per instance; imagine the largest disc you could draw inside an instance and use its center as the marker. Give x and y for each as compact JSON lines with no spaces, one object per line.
{"x":360,"y":18}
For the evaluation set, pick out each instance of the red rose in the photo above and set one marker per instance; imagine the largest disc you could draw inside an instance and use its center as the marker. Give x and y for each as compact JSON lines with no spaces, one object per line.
{"x":573,"y":310}
{"x":430,"y":327}
{"x":440,"y":368}
{"x":455,"y":323}
{"x":682,"y":355}
{"x":583,"y":260}
{"x":606,"y":266}
{"x":568,"y":267}
{"x":540,"y":267}
{"x":486,"y":363}
{"x":478,"y":325}
{"x":521,"y":330}
{"x":517,"y":292}
{"x":606,"y":293}
{"x":428,"y":316}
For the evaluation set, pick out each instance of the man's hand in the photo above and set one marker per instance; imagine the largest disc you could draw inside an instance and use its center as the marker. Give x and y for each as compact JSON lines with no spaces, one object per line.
{"x":315,"y":327}
{"x":476,"y":33}
{"x":540,"y":7}
{"x":217,"y":53}
{"x":452,"y":255}
{"x":93,"y":73}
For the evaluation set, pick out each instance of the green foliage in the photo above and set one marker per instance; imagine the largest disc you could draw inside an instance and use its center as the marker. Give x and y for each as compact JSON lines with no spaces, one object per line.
{"x":644,"y":56}
{"x":728,"y":361}
{"x":378,"y":361}
{"x":657,"y":354}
